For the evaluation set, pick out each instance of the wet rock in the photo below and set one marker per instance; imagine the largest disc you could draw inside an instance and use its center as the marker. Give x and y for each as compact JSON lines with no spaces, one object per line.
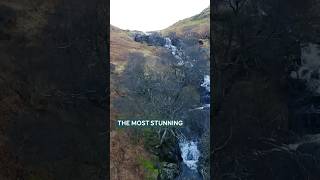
{"x":168,"y":171}
{"x":157,"y":40}
{"x":170,"y":152}
{"x":140,"y":38}
{"x":154,"y":39}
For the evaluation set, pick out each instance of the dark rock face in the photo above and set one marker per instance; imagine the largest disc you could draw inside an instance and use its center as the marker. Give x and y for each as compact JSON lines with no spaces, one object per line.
{"x":153,"y":39}
{"x":254,"y":99}
{"x":175,"y":40}
{"x":204,"y":96}
{"x":169,"y":151}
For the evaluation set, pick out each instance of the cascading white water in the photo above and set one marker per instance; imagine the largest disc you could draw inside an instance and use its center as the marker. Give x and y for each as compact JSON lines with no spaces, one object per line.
{"x":206,"y":83}
{"x":174,"y":51}
{"x":169,"y":45}
{"x":168,"y":42}
{"x":189,"y":149}
{"x":190,"y":153}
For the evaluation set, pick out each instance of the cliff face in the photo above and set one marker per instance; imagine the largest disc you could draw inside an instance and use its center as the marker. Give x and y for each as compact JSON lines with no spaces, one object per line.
{"x":256,"y":45}
{"x":53,"y":82}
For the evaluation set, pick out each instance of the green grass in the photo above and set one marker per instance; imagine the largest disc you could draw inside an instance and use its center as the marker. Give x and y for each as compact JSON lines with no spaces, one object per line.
{"x":150,"y":167}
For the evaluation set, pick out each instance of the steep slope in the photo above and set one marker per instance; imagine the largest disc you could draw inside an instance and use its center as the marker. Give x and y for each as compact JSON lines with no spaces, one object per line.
{"x":124,"y":154}
{"x":153,"y":51}
{"x":122,"y":44}
{"x":196,"y":26}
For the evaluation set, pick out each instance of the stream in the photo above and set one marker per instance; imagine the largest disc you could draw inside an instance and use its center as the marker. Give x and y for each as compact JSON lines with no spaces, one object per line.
{"x":189,"y":146}
{"x":190,"y":141}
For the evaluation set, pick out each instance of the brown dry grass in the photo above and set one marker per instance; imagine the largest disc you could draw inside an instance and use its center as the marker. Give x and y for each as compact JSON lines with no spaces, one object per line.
{"x":121,"y":45}
{"x":124,"y":157}
{"x":124,"y":162}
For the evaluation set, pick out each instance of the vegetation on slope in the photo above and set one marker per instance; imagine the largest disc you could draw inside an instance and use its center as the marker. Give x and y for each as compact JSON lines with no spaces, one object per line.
{"x":144,"y":84}
{"x":126,"y":148}
{"x":195,"y":26}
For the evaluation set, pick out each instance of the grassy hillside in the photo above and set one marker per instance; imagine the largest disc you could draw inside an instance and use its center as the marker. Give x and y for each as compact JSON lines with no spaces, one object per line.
{"x":122,"y":44}
{"x":125,"y":155}
{"x":198,"y":25}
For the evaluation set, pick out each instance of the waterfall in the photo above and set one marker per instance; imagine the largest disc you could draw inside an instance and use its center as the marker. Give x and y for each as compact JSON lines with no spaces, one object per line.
{"x":174,"y":51}
{"x":168,"y":42}
{"x":189,"y":153}
{"x":206,"y":83}
{"x":189,"y":148}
